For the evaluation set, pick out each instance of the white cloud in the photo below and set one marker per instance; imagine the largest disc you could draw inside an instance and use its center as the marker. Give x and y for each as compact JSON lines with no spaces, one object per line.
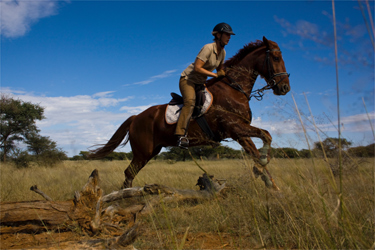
{"x":78,"y":122}
{"x":165,"y":74}
{"x":17,"y":16}
{"x":135,"y":110}
{"x":359,"y":123}
{"x":303,"y":29}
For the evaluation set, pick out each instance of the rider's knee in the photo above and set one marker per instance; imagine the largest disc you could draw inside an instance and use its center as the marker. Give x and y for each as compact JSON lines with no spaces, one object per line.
{"x":189,"y":102}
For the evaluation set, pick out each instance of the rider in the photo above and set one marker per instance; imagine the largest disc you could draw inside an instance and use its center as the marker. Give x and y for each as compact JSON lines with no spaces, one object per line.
{"x":210,"y":57}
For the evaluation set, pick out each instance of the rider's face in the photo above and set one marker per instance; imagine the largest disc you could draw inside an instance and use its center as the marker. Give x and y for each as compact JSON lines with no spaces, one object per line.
{"x":225,"y":37}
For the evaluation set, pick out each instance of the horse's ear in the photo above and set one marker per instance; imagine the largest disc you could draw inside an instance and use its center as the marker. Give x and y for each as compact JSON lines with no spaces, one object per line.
{"x":265,"y":41}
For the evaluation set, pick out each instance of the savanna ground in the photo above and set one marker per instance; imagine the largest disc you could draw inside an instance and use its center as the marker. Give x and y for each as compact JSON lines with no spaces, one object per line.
{"x":305,"y":214}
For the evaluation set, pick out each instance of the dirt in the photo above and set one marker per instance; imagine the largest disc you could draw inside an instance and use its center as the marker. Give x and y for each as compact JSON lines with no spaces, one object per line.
{"x":71,"y":240}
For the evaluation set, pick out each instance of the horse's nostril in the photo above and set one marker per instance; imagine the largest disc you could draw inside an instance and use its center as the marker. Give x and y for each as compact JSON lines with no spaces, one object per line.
{"x":286,"y":88}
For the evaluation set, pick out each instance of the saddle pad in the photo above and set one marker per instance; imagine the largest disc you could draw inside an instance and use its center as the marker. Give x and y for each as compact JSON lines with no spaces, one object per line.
{"x":172,"y":112}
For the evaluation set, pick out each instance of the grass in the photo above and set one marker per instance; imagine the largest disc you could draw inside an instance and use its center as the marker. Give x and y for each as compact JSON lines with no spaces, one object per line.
{"x":304,"y":215}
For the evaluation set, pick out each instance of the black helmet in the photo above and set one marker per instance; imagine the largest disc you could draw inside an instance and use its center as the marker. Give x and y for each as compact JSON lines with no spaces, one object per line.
{"x":223,"y":27}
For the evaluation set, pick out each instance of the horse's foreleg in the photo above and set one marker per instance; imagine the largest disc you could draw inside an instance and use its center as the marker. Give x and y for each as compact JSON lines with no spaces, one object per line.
{"x":261,"y":157}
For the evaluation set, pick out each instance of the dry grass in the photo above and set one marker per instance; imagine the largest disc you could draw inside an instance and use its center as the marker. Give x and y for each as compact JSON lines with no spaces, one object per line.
{"x":304,"y":215}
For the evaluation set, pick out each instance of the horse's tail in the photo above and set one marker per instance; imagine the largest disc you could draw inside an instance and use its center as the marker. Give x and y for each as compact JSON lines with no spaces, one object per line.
{"x":114,"y":142}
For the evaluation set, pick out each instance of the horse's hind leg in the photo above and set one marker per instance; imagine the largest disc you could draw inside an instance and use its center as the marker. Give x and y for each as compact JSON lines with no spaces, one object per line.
{"x":132,"y":170}
{"x":137,"y":163}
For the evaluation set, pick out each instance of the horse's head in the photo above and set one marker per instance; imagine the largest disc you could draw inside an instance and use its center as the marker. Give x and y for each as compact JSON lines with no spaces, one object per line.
{"x":273,"y":69}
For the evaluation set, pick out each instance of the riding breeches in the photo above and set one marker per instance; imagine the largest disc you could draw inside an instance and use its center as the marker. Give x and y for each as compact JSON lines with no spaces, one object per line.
{"x":187,"y":90}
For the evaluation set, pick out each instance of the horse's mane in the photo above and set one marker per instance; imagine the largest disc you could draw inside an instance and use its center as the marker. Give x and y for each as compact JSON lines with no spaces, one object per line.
{"x":250,"y":47}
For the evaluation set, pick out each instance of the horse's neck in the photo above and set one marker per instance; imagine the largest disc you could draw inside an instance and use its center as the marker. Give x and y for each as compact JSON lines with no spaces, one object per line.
{"x":244,"y":76}
{"x":245,"y":73}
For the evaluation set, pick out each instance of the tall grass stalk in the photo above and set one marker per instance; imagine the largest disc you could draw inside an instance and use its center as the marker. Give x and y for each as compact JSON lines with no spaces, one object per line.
{"x":373,"y":167}
{"x":368,"y":117}
{"x":321,"y":143}
{"x":316,"y":128}
{"x":338,"y":111}
{"x":371,"y":34}
{"x":305,"y":133}
{"x":169,"y":224}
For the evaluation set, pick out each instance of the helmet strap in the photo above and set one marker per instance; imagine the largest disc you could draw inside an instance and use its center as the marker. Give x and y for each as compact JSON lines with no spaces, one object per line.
{"x":220,"y":41}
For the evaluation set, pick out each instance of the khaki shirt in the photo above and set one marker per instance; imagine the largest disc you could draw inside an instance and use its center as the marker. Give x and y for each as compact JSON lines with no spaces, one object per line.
{"x":211,"y":59}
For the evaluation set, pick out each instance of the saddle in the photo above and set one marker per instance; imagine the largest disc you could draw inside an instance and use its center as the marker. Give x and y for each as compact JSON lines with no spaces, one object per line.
{"x":200,"y":99}
{"x":203,"y":101}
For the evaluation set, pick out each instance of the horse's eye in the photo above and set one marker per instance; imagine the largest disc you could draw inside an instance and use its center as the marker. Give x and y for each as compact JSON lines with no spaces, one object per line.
{"x":276,"y":58}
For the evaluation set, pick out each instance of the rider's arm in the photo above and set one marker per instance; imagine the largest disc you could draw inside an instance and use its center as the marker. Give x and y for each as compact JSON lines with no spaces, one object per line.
{"x":198,"y":67}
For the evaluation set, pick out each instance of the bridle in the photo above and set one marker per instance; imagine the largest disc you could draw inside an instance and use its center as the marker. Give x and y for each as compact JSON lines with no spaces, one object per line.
{"x":271,"y":83}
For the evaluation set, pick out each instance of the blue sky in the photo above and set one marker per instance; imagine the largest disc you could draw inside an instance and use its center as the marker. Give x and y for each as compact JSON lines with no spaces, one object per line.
{"x":92,"y":64}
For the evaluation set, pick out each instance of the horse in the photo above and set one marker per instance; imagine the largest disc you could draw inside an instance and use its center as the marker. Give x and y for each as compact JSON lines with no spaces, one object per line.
{"x":228,"y":117}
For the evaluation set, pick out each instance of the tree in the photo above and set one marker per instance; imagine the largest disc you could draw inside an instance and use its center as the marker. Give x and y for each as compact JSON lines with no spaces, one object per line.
{"x":17,"y":120}
{"x":44,"y":149}
{"x":363,"y":151}
{"x":38,"y":144}
{"x":175,"y":153}
{"x":331,"y":145}
{"x":285,"y":153}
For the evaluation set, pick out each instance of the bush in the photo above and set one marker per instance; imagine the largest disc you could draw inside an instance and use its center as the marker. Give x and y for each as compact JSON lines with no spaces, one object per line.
{"x":50,"y":157}
{"x":21,"y":158}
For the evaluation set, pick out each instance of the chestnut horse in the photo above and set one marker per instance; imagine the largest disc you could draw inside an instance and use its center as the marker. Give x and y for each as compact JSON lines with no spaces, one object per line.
{"x":228,"y":117}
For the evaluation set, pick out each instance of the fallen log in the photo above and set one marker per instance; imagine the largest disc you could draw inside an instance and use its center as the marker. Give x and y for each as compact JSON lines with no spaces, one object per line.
{"x":92,"y":212}
{"x":209,"y":187}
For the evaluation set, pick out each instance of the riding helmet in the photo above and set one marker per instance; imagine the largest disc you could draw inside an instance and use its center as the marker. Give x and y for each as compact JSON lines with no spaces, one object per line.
{"x":223,"y":27}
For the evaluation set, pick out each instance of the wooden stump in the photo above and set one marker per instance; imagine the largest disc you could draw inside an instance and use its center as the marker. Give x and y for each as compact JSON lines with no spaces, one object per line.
{"x":39,"y":216}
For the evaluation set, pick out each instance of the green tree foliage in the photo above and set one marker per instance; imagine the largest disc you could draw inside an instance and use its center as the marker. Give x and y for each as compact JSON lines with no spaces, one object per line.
{"x":331,"y":146}
{"x":21,"y":158}
{"x":363,"y":151}
{"x":174,"y":153}
{"x":17,"y":120}
{"x":38,"y":144}
{"x":285,"y":153}
{"x":18,"y":124}
{"x":44,"y":150}
{"x":205,"y":152}
{"x":114,"y":156}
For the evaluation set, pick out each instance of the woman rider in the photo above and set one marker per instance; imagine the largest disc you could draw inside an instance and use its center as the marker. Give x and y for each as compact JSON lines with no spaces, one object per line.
{"x":210,"y":57}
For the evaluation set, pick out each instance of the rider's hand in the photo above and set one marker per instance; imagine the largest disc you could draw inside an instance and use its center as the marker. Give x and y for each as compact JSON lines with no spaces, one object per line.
{"x":220,"y":73}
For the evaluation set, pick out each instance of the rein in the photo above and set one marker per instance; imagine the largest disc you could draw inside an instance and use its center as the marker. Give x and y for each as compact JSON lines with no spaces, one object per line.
{"x":259,"y":93}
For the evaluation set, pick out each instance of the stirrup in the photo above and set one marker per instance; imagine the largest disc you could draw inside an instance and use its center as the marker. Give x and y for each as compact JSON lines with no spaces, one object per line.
{"x":183,"y":142}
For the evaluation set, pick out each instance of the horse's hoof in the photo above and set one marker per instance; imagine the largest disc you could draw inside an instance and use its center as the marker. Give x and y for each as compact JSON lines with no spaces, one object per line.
{"x":267,"y":181}
{"x":263,"y":160}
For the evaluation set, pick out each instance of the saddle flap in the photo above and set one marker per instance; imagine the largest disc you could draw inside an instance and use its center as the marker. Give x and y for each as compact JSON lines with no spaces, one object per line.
{"x":173,"y":109}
